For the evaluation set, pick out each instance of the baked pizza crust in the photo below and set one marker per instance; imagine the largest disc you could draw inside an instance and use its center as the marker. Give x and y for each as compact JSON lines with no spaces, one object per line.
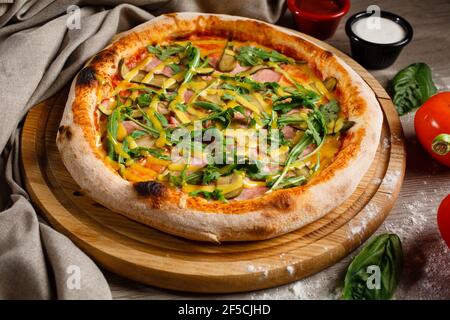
{"x":195,"y":218}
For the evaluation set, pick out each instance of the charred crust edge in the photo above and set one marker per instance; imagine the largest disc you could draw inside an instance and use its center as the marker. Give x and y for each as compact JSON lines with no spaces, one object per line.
{"x":64,"y":131}
{"x":86,"y":76}
{"x":150,"y":188}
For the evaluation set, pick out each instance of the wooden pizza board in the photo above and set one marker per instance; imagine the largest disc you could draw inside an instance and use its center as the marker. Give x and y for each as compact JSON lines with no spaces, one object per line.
{"x":146,"y":255}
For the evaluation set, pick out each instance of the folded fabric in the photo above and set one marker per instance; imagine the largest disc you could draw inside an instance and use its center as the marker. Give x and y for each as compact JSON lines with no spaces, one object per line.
{"x":39,"y":55}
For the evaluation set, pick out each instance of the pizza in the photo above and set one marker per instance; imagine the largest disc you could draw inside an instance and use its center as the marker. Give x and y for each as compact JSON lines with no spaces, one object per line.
{"x":218,"y":128}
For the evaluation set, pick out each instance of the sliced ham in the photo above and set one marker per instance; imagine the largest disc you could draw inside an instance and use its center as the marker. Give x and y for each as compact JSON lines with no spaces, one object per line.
{"x":251,"y":193}
{"x":237,"y":116}
{"x":198,"y":161}
{"x":163,"y":108}
{"x":308,"y":150}
{"x":213,"y":60}
{"x":173,"y":121}
{"x":130,"y":126}
{"x":269,"y":168}
{"x":266,"y":75}
{"x":188,"y":95}
{"x":239,"y":69}
{"x":167,"y":71}
{"x":288,"y":132}
{"x":207,"y":78}
{"x":152,"y":64}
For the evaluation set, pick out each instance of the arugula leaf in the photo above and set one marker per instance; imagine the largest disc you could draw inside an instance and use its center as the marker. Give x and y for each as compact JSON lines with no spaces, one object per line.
{"x":163,"y":53}
{"x":297,"y":99}
{"x":208,"y":106}
{"x":215,"y":195}
{"x":315,"y":133}
{"x":227,"y":97}
{"x":146,"y":128}
{"x":330,"y":110}
{"x":136,"y":134}
{"x":296,"y":120}
{"x":181,"y":106}
{"x":224,"y":117}
{"x":161,"y":119}
{"x":112,"y":127}
{"x":210,"y":174}
{"x":252,"y":56}
{"x":175,"y":68}
{"x":288,"y":182}
{"x":194,"y":59}
{"x":384,"y":252}
{"x":157,"y":153}
{"x":254,"y":170}
{"x":412,"y":86}
{"x":144,"y":99}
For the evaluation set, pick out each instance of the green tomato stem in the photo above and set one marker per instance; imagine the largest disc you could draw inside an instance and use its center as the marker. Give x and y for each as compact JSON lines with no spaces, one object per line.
{"x":441,"y":144}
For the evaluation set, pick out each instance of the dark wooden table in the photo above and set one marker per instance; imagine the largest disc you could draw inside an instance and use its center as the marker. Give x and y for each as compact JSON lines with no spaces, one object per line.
{"x":427,"y":260}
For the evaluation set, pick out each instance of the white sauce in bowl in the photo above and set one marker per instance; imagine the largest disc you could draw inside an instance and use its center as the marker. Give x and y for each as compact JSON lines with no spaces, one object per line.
{"x":379,"y":30}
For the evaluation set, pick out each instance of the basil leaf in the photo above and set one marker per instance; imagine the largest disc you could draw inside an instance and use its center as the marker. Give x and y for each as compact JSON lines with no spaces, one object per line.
{"x":412,"y":86}
{"x":384,"y":252}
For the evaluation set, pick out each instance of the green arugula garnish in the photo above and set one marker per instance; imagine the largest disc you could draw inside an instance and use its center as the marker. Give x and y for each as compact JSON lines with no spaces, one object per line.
{"x":214,"y":195}
{"x":181,"y":106}
{"x":208,"y":106}
{"x":252,"y":56}
{"x":165,"y":52}
{"x":315,"y":133}
{"x":297,"y":99}
{"x":175,"y":68}
{"x":210,"y":174}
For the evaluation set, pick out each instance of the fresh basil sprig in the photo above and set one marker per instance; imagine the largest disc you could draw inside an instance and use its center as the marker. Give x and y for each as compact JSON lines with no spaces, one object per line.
{"x":384,"y":252}
{"x":412,"y":86}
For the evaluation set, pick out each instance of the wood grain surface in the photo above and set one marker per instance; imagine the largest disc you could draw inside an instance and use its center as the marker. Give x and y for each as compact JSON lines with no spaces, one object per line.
{"x":146,"y":255}
{"x":427,"y":260}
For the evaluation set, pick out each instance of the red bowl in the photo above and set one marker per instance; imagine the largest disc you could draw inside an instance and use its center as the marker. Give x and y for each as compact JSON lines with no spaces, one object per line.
{"x":318,"y":25}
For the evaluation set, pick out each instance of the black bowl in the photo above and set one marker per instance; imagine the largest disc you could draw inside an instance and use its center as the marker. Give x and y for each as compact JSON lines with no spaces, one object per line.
{"x":375,"y":55}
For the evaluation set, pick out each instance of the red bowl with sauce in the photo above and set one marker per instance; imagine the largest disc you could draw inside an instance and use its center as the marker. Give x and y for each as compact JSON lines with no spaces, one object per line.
{"x":318,"y":18}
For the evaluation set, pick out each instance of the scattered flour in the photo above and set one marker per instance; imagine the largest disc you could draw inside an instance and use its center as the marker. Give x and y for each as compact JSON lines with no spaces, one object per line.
{"x":319,"y":286}
{"x":369,"y":212}
{"x":290,"y":270}
{"x":377,"y":181}
{"x":252,"y":268}
{"x":386,"y":143}
{"x":390,"y":179}
{"x":411,"y":225}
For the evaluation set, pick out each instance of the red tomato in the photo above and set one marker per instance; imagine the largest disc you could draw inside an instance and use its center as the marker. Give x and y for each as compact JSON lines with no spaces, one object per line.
{"x":444,"y":219}
{"x":432,"y":120}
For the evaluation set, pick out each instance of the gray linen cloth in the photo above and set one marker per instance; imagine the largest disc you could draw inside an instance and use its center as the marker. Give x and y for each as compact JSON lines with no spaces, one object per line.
{"x":39,"y":55}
